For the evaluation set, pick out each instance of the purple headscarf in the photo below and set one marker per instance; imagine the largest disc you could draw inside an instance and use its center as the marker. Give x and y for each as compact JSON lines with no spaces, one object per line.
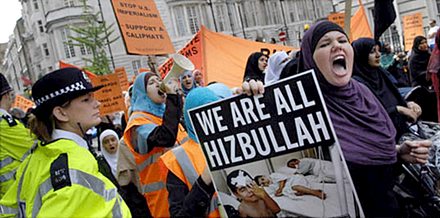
{"x":364,"y":129}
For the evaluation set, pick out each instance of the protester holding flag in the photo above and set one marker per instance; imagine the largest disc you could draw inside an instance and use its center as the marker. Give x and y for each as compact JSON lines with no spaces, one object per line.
{"x":255,"y":66}
{"x":418,"y":62}
{"x":433,"y":70}
{"x":60,"y":177}
{"x":15,"y":139}
{"x":153,"y":127}
{"x":369,"y":72}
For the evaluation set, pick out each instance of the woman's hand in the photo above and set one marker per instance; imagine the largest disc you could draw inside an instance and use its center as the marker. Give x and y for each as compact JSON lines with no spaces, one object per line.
{"x":415,"y":152}
{"x":408,"y":113}
{"x":253,"y":87}
{"x":415,"y":107}
{"x":172,"y":86}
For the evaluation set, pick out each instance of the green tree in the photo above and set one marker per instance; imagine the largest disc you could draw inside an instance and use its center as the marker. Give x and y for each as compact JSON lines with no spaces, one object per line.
{"x":93,"y":36}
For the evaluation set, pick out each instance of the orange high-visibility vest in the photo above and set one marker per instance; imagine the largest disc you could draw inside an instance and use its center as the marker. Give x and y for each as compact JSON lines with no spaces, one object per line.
{"x":153,"y":183}
{"x":187,"y":162}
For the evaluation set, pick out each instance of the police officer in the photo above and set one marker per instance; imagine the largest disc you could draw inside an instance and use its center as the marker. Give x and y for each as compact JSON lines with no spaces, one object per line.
{"x":61,"y":177}
{"x":15,"y":139}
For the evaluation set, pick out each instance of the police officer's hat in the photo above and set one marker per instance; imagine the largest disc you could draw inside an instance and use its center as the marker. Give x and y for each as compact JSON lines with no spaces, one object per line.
{"x":4,"y":85}
{"x":58,"y":87}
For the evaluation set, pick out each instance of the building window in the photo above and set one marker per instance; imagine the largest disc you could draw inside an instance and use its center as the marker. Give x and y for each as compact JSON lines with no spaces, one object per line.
{"x":45,"y":49}
{"x":179,"y":18}
{"x":136,"y":66}
{"x":35,"y":3}
{"x":69,"y":49}
{"x":40,"y":26}
{"x":85,"y":50}
{"x":69,"y":3}
{"x":221,"y":17}
{"x":193,"y":19}
{"x":273,"y":12}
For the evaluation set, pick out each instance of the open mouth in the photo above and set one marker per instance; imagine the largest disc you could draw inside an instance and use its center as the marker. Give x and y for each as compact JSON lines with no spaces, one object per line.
{"x":339,"y":62}
{"x":340,"y":66}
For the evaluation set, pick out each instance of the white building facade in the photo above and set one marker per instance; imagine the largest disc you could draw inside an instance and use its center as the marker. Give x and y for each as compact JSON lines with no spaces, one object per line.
{"x":39,"y":40}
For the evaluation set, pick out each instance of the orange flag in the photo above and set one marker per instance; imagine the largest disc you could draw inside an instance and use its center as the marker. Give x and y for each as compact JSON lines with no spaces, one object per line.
{"x":359,"y":26}
{"x":66,"y":65}
{"x":220,"y":57}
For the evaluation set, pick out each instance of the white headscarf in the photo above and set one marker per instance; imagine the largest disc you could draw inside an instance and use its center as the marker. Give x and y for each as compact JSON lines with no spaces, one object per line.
{"x":112,"y":159}
{"x":275,"y":66}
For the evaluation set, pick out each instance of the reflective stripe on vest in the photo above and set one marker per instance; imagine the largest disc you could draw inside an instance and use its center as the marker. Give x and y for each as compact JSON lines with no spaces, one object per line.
{"x":136,"y":115}
{"x":153,"y":158}
{"x":80,"y":178}
{"x":186,"y":165}
{"x":5,"y":162}
{"x":116,"y":211}
{"x":190,"y":173}
{"x":148,"y":161}
{"x":7,"y":176}
{"x":152,"y":187}
{"x":7,"y":210}
{"x":9,"y":160}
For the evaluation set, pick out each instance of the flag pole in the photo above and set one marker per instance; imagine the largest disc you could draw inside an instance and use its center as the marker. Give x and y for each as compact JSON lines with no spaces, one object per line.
{"x":347,"y":18}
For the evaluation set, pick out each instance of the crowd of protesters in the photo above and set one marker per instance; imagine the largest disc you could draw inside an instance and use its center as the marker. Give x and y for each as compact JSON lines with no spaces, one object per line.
{"x":49,"y":167}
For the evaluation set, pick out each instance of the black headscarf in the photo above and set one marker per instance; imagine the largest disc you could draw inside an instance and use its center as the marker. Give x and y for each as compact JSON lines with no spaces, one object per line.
{"x":252,"y":70}
{"x":353,"y":109}
{"x":418,"y":63}
{"x":377,"y":80}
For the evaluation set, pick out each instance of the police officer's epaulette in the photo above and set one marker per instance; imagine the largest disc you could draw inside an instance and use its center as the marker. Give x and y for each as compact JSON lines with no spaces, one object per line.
{"x":59,"y":172}
{"x":10,"y":120}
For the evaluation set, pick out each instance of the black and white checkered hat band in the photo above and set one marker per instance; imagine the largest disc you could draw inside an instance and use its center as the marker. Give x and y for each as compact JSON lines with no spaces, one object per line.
{"x":73,"y":87}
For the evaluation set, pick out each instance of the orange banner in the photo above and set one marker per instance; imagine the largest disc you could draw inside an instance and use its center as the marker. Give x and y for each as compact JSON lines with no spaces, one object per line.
{"x":337,"y":18}
{"x":123,"y":79}
{"x":23,"y":103}
{"x":412,"y":27}
{"x":220,"y":57}
{"x":111,"y":95}
{"x":66,"y":65}
{"x":359,"y":26}
{"x":141,"y":27}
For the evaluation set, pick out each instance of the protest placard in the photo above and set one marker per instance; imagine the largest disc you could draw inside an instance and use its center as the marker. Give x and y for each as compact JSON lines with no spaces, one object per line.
{"x":23,"y":103}
{"x":123,"y":79}
{"x":412,"y":27}
{"x":110,"y":95}
{"x":141,"y":27}
{"x":282,"y":141}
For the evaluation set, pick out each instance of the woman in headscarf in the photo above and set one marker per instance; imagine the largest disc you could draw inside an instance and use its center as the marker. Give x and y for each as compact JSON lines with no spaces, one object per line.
{"x":369,"y":72}
{"x":152,"y":129}
{"x":433,"y":70}
{"x":418,"y":62}
{"x":370,"y":156}
{"x":198,"y":78}
{"x":187,"y":82}
{"x":108,"y":161}
{"x":275,"y":65}
{"x":255,"y":66}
